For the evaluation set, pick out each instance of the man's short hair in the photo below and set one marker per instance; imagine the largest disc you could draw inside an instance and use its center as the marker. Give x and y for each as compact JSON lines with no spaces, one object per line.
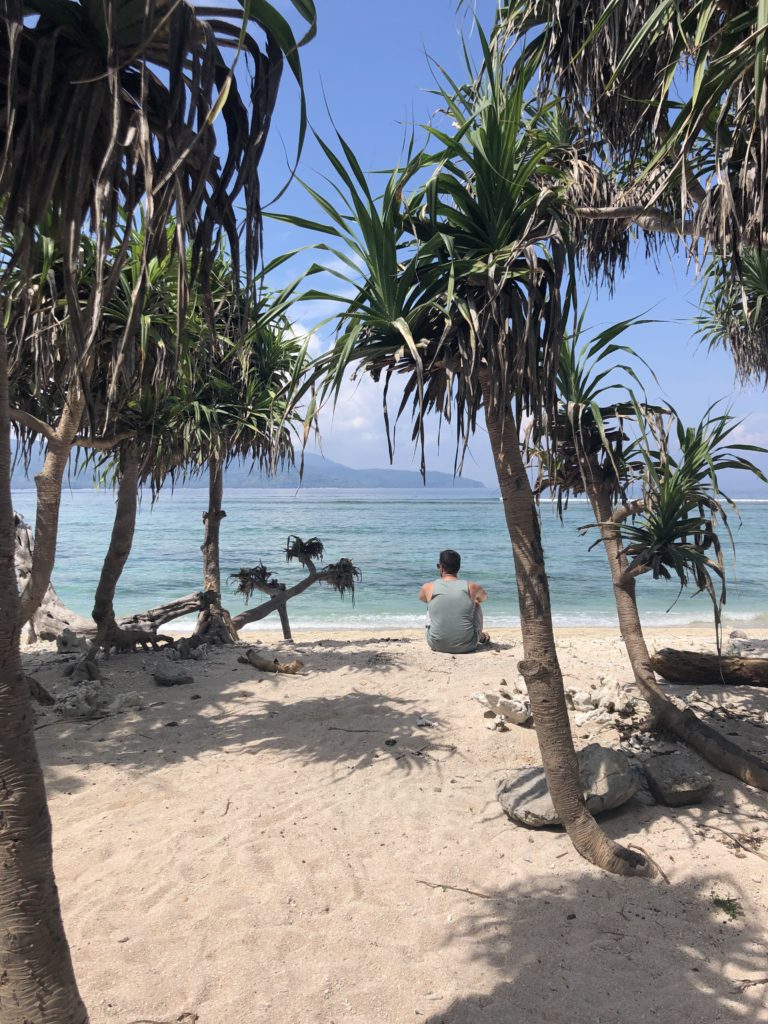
{"x":450,"y":561}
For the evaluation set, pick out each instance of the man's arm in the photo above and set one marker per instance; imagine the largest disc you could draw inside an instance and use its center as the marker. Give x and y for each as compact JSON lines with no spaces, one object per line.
{"x":425,"y":594}
{"x":476,"y":592}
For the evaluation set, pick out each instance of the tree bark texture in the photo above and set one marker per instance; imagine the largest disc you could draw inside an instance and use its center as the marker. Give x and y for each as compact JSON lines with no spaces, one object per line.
{"x":212,"y":522}
{"x":214,"y":623}
{"x":37,"y":981}
{"x":712,"y":745}
{"x":120,"y":544}
{"x":540,"y":667}
{"x":153,"y":618}
{"x":708,"y":669}
{"x":48,"y":486}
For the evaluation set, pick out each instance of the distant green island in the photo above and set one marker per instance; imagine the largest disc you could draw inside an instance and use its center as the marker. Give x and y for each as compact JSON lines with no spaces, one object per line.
{"x":318,"y":472}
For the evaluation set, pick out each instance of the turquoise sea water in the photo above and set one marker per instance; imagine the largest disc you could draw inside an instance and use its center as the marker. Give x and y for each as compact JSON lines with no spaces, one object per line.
{"x":394,"y":537}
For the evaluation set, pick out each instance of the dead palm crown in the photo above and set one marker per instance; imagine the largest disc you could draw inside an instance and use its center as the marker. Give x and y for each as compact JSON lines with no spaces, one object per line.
{"x":669,"y":99}
{"x":341,"y":576}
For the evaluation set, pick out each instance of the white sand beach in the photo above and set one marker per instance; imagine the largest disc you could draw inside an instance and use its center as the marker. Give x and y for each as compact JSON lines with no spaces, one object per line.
{"x":300,"y":850}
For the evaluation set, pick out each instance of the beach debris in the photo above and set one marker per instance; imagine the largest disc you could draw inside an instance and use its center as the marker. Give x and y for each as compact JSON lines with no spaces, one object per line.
{"x":68,"y":642}
{"x":186,"y":650}
{"x":169,"y":675}
{"x":676,"y":780}
{"x":265,"y":665}
{"x":88,"y":701}
{"x":84,"y":671}
{"x":425,"y":723}
{"x":85,"y":701}
{"x":606,"y":694}
{"x":125,"y":702}
{"x":742,"y":646}
{"x":607,"y":780}
{"x":506,"y":706}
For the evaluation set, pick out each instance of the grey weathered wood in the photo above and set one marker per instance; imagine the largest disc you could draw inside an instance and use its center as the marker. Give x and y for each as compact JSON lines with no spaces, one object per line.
{"x":709,"y":670}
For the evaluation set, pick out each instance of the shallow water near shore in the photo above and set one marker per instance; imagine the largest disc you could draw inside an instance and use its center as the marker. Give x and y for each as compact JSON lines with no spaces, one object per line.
{"x":394,"y":537}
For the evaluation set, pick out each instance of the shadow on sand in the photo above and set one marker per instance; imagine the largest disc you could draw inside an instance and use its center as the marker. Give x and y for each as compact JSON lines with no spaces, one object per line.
{"x":599,"y":950}
{"x":253,"y":713}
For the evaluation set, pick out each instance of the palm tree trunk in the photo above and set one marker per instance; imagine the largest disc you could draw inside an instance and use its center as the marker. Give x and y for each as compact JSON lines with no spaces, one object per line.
{"x":212,"y":520}
{"x":540,"y":667}
{"x":214,"y":622}
{"x":120,"y":544}
{"x":37,"y":982}
{"x":714,"y":747}
{"x":48,"y":486}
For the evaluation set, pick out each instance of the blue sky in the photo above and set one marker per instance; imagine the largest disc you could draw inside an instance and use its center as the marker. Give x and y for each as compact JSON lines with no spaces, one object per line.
{"x":369,"y":69}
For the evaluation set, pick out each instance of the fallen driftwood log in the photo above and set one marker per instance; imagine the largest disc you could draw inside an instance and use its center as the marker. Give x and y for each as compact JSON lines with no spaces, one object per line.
{"x":708,"y":669}
{"x":153,"y":618}
{"x":265,"y":665}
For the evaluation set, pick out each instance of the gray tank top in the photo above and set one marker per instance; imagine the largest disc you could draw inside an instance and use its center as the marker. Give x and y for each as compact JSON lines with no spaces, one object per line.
{"x":452,"y":618}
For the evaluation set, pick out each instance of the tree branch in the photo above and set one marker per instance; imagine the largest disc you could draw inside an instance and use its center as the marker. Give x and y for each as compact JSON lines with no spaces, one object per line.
{"x":26,"y":419}
{"x":647,"y":218}
{"x":103,"y":444}
{"x":628,"y":509}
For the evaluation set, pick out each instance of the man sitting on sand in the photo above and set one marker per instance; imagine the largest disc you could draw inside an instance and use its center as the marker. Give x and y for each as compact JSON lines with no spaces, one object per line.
{"x":454,"y":615}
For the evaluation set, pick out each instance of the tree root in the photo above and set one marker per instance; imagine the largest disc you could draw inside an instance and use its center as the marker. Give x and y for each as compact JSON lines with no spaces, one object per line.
{"x":712,"y":745}
{"x":264,"y":665}
{"x":215,"y":626}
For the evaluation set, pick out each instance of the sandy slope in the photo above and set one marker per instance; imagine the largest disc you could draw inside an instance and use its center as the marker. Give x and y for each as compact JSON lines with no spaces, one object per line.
{"x":251,"y":849}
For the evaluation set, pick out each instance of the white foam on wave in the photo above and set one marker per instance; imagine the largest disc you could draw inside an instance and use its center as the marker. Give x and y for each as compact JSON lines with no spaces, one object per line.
{"x":573,"y":620}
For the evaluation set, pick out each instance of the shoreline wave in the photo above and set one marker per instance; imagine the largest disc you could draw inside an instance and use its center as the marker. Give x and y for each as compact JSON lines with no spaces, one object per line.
{"x":415,"y":622}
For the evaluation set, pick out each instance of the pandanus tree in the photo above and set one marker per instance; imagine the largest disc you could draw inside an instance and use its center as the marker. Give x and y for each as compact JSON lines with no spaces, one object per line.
{"x":230,"y":398}
{"x":670,"y":100}
{"x":240,"y":405}
{"x":462,"y":294}
{"x":108,"y":108}
{"x":656,"y":501}
{"x":67,"y":410}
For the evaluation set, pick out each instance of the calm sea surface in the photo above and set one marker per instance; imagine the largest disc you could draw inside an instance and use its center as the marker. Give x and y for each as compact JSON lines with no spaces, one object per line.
{"x":394,"y":537}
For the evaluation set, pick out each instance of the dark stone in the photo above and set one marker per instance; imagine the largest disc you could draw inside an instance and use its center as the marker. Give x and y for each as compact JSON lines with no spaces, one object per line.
{"x":606,"y":778}
{"x":675,"y":780}
{"x":171,"y":676}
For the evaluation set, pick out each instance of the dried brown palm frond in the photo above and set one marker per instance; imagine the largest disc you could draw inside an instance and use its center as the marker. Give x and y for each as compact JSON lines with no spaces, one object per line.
{"x":580,"y":44}
{"x":342,"y":576}
{"x":118,"y":107}
{"x":257,"y":578}
{"x":670,"y":98}
{"x":303,"y":551}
